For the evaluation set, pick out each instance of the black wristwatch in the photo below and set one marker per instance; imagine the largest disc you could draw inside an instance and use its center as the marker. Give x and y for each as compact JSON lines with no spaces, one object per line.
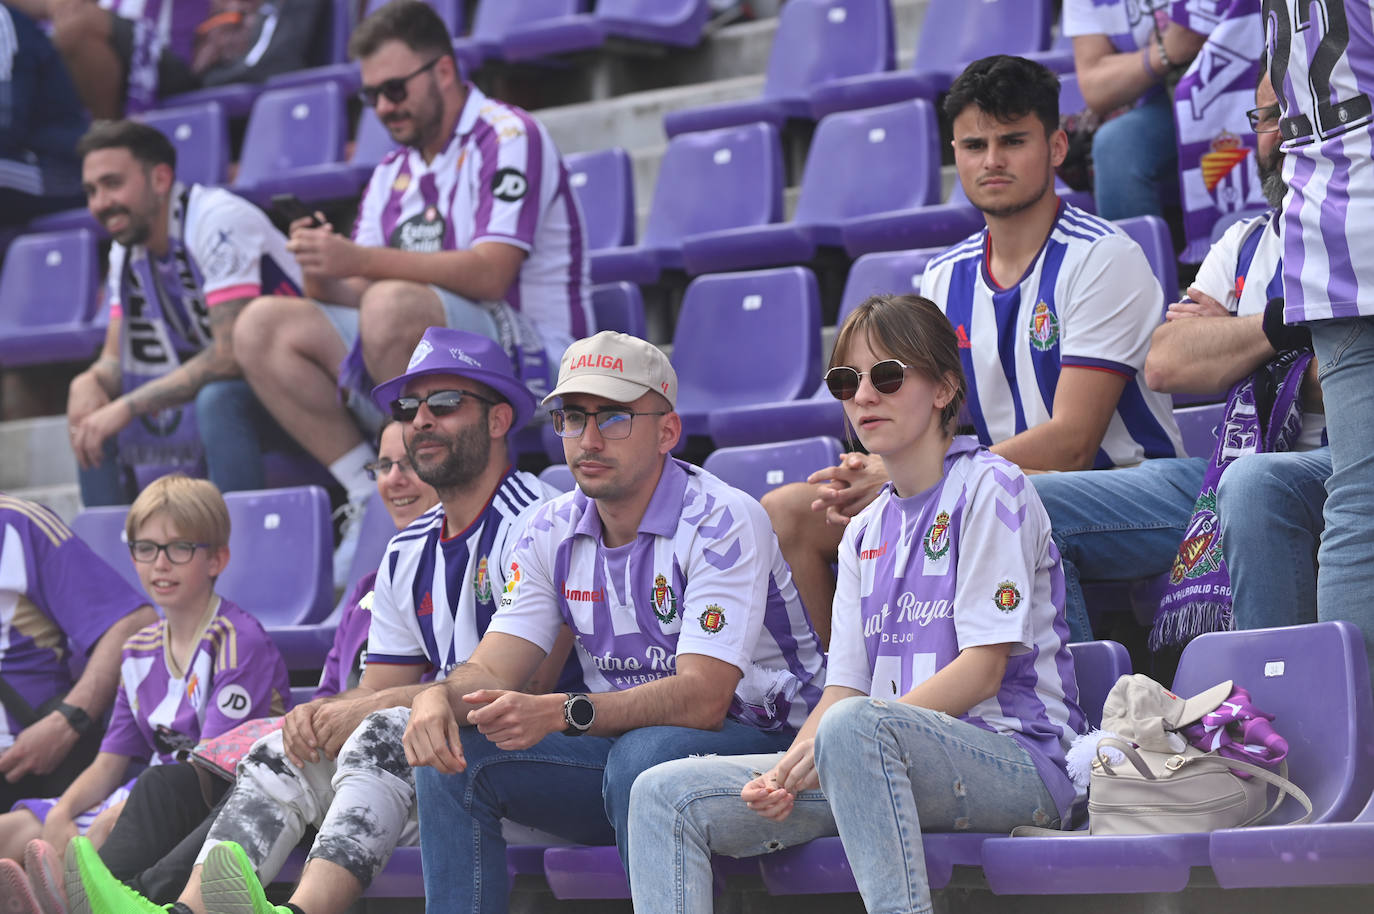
{"x":80,"y":721}
{"x":578,"y":713}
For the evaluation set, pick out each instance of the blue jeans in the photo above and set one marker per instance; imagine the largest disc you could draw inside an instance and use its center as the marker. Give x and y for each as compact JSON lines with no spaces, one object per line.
{"x":575,"y":787}
{"x":1132,"y":155}
{"x":1271,"y":521}
{"x":1345,"y":354}
{"x":890,"y":769}
{"x":1117,"y":525}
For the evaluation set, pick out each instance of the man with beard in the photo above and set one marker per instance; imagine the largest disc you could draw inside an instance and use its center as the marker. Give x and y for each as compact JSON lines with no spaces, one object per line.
{"x":1053,"y":309}
{"x":471,"y":224}
{"x":337,"y":763}
{"x":185,"y":263}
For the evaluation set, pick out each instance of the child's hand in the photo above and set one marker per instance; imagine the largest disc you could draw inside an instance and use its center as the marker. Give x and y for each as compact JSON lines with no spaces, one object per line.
{"x":59,"y":829}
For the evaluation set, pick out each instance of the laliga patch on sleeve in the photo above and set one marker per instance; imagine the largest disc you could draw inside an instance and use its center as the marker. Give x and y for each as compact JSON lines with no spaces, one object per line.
{"x":233,"y":701}
{"x":509,"y":184}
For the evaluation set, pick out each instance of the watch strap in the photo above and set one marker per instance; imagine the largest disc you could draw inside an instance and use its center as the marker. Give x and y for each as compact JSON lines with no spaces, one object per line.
{"x":80,"y":721}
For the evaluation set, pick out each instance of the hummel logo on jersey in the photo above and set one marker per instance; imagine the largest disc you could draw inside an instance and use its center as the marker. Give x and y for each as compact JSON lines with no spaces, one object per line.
{"x":426,"y":606}
{"x":572,"y":594}
{"x":962,"y":334}
{"x":865,"y":554}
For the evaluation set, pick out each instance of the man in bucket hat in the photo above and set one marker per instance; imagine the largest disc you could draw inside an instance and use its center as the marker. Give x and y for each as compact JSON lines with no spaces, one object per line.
{"x":337,"y":763}
{"x":690,"y":634}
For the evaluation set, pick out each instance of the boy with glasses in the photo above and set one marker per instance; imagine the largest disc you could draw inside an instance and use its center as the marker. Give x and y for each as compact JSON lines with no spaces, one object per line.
{"x":690,"y":635}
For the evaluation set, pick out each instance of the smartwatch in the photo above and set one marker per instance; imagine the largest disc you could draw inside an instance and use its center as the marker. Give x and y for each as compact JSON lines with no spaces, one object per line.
{"x":79,"y":720}
{"x":578,"y":713}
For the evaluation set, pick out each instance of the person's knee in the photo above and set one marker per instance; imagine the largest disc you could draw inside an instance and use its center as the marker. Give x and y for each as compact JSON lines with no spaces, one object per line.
{"x":1246,"y":486}
{"x":789,"y":511}
{"x":263,"y":325}
{"x":394,"y":308}
{"x":76,"y":27}
{"x":222,"y":398}
{"x":376,"y":745}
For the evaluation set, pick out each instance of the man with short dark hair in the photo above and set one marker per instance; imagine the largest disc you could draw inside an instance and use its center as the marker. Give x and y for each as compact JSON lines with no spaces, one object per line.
{"x":185,"y":262}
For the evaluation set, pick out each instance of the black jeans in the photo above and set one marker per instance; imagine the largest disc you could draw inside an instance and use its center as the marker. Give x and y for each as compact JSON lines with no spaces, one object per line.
{"x":41,"y":786}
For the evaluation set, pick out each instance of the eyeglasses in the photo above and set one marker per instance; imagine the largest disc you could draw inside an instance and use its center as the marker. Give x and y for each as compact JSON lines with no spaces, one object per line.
{"x":440,"y":403}
{"x":1265,"y":119}
{"x":886,"y":377}
{"x":178,"y":553}
{"x":612,"y":424}
{"x":395,"y":88}
{"x":382,"y":468}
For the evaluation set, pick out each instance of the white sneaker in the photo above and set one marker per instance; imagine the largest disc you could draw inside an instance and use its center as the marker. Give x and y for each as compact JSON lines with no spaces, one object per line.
{"x":350,"y":520}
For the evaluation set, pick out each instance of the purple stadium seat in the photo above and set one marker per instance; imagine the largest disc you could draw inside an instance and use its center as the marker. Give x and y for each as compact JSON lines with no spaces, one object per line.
{"x":282,"y":552}
{"x":739,"y":169}
{"x":200,"y":135}
{"x":677,"y":23}
{"x":1152,"y":234}
{"x":1059,"y":56}
{"x":103,"y":531}
{"x":495,"y":19}
{"x":48,"y":295}
{"x":559,"y":476}
{"x":236,"y":98}
{"x":820,"y":866}
{"x":1198,"y":425}
{"x":861,"y":163}
{"x":954,"y":33}
{"x":402,"y":876}
{"x":291,"y":134}
{"x":816,"y":41}
{"x":821,"y":414}
{"x":371,"y":144}
{"x":605,"y":188}
{"x":760,"y":468}
{"x":67,"y":220}
{"x":581,"y":872}
{"x":746,"y":338}
{"x":1331,"y":755}
{"x":619,"y":306}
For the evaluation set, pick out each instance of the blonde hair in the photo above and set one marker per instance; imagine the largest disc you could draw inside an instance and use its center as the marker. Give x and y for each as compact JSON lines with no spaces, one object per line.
{"x":194,"y":506}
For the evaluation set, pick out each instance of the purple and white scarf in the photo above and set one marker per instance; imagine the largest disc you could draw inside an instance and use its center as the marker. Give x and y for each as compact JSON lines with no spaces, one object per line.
{"x":1263,"y":415}
{"x":1236,"y":729}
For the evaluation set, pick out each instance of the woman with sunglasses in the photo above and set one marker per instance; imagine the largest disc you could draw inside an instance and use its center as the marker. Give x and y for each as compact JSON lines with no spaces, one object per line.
{"x":948,"y":615}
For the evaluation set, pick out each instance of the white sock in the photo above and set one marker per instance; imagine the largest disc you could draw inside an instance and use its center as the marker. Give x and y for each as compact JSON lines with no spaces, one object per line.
{"x":350,"y":471}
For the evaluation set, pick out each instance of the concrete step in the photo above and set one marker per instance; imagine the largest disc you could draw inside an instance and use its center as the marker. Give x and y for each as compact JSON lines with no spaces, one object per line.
{"x":64,"y":498}
{"x":37,"y":452}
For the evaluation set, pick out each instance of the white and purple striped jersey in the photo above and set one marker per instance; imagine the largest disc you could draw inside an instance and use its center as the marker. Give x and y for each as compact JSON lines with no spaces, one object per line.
{"x":1322,"y":66}
{"x":1126,"y":22}
{"x":968,"y":562}
{"x":703,"y":576}
{"x":499,"y":179}
{"x":1088,"y":300}
{"x":235,"y":674}
{"x":437,"y":588}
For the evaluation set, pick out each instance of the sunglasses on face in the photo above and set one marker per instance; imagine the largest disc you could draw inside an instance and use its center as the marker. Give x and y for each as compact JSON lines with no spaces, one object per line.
{"x":612,"y":424}
{"x":380,"y":469}
{"x":394,"y":89}
{"x":885,"y":376}
{"x":440,"y":403}
{"x":178,"y":552}
{"x":1265,"y":119}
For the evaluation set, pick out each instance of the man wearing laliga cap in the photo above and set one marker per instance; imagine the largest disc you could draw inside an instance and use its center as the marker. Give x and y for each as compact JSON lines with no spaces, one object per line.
{"x":337,"y":763}
{"x":689,"y":631}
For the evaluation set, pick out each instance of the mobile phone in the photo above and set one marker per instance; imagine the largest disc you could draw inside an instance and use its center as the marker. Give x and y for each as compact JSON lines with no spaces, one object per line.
{"x":290,"y":207}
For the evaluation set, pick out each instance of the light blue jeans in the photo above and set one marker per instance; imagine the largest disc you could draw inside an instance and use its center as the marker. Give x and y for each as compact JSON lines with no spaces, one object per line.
{"x":1345,"y":354}
{"x":889,"y":770}
{"x":1117,"y":525}
{"x":575,"y":787}
{"x":1132,"y":155}
{"x":1271,"y":522}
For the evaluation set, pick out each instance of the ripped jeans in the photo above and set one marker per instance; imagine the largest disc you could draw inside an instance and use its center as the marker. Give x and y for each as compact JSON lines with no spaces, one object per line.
{"x":889,"y":770}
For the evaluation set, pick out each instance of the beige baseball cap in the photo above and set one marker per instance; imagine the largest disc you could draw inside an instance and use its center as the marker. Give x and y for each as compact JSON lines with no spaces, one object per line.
{"x":616,"y":366}
{"x":1144,"y":712}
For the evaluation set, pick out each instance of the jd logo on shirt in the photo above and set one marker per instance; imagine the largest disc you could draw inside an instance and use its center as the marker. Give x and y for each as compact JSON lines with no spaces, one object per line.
{"x":509,"y":184}
{"x":423,"y":232}
{"x":233,"y":701}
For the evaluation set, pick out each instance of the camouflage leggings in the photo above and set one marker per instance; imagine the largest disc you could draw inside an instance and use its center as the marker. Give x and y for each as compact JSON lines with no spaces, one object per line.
{"x":363,"y":803}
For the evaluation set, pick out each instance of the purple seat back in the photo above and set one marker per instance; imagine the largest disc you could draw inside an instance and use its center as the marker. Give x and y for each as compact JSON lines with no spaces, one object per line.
{"x":200,"y":135}
{"x":760,"y":468}
{"x":103,"y":531}
{"x":604,"y":185}
{"x":1152,"y":234}
{"x":49,"y":280}
{"x":376,"y":532}
{"x":282,"y":553}
{"x":340,"y":27}
{"x":662,"y":13}
{"x":451,"y":11}
{"x":292,"y":128}
{"x":887,"y":273}
{"x":821,"y":40}
{"x":619,"y":306}
{"x":739,"y":169}
{"x":747,"y":338}
{"x":1070,"y":95}
{"x":1314,"y":679}
{"x":494,"y":18}
{"x":956,"y":32}
{"x":1198,"y":426}
{"x":372,"y":142}
{"x":559,"y":476}
{"x":1097,"y":666}
{"x":871,"y":161}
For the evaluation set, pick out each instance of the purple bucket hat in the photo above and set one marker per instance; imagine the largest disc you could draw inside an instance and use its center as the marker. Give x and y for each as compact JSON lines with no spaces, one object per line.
{"x":467,"y":355}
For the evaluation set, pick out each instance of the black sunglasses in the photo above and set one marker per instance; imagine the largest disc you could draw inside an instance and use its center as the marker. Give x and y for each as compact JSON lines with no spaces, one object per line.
{"x":394,"y":89}
{"x":440,"y":403}
{"x":886,"y":377}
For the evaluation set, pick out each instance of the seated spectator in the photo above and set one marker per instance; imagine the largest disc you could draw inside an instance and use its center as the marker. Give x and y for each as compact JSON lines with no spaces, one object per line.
{"x":335,"y":762}
{"x":471,"y":225}
{"x":185,"y":262}
{"x":957,"y":633}
{"x":1130,"y":524}
{"x":247,"y":41}
{"x":40,"y":122}
{"x":153,"y":846}
{"x":1053,"y":308}
{"x":1127,"y":54}
{"x":58,"y":601}
{"x":204,"y":668}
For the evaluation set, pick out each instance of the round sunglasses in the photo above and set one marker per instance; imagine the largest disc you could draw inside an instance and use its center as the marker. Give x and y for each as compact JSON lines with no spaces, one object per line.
{"x":885,"y":376}
{"x":440,"y":403}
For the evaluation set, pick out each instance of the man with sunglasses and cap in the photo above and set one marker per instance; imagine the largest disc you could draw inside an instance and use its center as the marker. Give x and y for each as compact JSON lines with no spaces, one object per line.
{"x":690,"y":635}
{"x":472,"y":224}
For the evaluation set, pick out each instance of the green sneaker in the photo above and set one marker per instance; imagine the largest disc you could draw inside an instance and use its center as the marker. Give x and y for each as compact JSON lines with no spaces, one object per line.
{"x":91,"y":889}
{"x":229,"y":885}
